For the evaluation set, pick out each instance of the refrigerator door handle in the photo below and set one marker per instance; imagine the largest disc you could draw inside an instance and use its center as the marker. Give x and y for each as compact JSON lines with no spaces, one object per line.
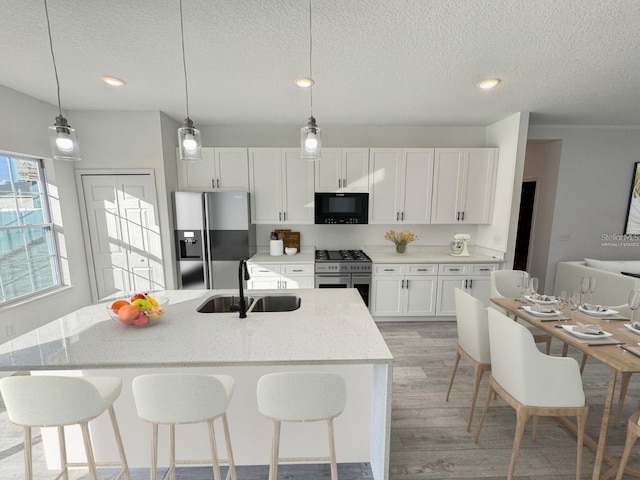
{"x":206,"y":247}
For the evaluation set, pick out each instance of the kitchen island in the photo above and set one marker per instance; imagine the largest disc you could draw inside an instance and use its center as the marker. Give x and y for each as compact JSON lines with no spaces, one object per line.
{"x":331,"y":331}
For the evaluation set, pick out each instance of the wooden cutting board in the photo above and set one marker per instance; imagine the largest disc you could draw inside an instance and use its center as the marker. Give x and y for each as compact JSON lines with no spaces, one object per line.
{"x":291,"y":239}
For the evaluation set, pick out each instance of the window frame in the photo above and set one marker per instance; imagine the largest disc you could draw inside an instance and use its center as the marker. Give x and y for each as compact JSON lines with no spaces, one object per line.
{"x":47,"y":226}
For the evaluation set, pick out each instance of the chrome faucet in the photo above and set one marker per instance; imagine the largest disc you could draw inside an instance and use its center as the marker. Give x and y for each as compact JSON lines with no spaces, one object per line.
{"x":242,"y":306}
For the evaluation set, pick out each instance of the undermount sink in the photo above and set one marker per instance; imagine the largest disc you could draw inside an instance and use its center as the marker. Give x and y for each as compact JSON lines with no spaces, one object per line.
{"x":222,"y":304}
{"x":276,"y":303}
{"x":267,"y":303}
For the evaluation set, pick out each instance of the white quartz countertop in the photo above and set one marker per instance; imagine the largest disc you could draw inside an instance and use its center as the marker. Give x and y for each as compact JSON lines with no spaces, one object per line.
{"x":425,"y":254}
{"x":300,"y":257}
{"x":332,"y":326}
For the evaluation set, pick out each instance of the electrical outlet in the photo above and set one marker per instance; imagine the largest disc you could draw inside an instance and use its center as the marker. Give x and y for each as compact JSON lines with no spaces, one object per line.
{"x":10,"y":330}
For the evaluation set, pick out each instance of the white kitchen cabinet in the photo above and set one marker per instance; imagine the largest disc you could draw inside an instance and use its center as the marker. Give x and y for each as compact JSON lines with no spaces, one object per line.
{"x":281,"y":186}
{"x":404,"y":290}
{"x":463,"y":185}
{"x":280,"y":276}
{"x":475,"y":279}
{"x":400,"y":185}
{"x":342,"y":170}
{"x":221,"y":169}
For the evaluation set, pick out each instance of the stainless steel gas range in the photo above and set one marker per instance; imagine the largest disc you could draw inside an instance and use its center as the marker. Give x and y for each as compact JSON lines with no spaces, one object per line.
{"x":344,"y":269}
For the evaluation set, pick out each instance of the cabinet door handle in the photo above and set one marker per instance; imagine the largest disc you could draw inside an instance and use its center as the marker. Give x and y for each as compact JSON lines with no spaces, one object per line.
{"x":465,"y":284}
{"x":402,"y":216}
{"x":485,"y":269}
{"x":284,"y":284}
{"x":454,"y":269}
{"x":471,"y":283}
{"x":218,"y":183}
{"x":402,"y":284}
{"x":407,"y":283}
{"x":339,"y":183}
{"x":344,"y":183}
{"x":213,"y":183}
{"x":463,"y":216}
{"x":458,"y":216}
{"x":422,"y":270}
{"x":294,"y":270}
{"x":284,"y":216}
{"x":389,"y":270}
{"x":397,"y":216}
{"x":280,"y":216}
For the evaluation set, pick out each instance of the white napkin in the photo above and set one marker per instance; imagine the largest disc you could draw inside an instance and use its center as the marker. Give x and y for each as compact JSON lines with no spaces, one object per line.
{"x":594,"y":308}
{"x":589,"y":329}
{"x":543,"y":298}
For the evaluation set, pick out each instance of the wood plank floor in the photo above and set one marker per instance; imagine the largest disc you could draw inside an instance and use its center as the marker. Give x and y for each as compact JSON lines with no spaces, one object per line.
{"x":428,"y":435}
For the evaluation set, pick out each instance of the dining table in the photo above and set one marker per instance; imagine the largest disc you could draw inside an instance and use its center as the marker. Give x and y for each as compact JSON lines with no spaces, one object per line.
{"x":617,"y":348}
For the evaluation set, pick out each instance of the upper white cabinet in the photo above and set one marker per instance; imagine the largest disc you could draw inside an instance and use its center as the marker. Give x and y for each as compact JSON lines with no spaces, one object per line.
{"x":343,"y":170}
{"x":400,"y":182}
{"x":463,"y":185}
{"x":281,"y":186}
{"x":221,"y":169}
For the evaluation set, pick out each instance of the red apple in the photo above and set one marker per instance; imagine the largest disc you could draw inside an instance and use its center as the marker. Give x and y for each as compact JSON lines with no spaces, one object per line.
{"x":141,"y":320}
{"x":136,"y":296}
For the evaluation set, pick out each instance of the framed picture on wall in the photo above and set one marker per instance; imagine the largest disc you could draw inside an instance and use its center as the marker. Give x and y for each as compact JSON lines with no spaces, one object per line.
{"x":633,"y":212}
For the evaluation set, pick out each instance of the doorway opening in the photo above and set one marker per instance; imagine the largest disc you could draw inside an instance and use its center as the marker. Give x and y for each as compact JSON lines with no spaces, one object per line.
{"x":525,"y":222}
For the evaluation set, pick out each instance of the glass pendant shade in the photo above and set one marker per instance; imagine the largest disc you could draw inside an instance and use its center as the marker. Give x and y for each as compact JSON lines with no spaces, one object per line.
{"x":189,"y":142}
{"x":63,"y":139}
{"x":311,"y":140}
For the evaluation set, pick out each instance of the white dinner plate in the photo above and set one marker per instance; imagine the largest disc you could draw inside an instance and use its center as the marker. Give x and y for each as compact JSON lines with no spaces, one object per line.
{"x":529,"y":298}
{"x":530,"y":310}
{"x":634,"y":330}
{"x":603,"y":313}
{"x":569,"y":328}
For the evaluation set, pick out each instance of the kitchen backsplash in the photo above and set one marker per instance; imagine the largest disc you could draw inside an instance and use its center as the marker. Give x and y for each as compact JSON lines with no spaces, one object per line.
{"x":356,"y":236}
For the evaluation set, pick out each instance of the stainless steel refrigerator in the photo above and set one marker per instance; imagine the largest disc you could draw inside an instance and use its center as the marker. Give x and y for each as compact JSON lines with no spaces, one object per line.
{"x":213,"y":231}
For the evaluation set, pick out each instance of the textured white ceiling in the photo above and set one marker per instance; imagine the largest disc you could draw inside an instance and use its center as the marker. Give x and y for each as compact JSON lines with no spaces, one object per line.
{"x":375,"y":62}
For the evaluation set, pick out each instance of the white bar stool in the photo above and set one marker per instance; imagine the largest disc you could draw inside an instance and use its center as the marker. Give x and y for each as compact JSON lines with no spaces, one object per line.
{"x":56,"y":401}
{"x":177,"y":398}
{"x":301,"y":397}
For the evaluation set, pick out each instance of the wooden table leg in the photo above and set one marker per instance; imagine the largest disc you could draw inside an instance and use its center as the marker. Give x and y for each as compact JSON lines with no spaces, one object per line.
{"x":602,"y":439}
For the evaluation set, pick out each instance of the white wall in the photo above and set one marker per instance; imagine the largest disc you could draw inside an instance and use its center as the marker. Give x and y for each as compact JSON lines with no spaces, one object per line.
{"x":24,"y":130}
{"x":344,"y":136}
{"x":169,"y":132}
{"x":131,"y":140}
{"x":542,"y":164}
{"x":594,"y":181}
{"x":510,"y":136}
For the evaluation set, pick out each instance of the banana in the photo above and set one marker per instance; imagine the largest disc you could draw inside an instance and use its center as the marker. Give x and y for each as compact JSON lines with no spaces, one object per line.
{"x":152,"y":301}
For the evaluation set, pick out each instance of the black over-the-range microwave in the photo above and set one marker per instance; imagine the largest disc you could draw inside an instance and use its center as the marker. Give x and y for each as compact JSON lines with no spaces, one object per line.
{"x":342,"y":208}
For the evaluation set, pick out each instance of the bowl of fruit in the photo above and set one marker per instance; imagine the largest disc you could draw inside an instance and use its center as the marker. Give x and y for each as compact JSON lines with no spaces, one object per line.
{"x":141,"y":310}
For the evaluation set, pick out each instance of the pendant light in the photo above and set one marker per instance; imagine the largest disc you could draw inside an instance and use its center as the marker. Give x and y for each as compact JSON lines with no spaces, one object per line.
{"x":188,"y":136}
{"x":63,"y":139}
{"x":310,"y":138}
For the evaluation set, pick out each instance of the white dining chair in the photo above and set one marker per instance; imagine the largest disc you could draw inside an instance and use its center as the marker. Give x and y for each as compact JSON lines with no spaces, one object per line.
{"x":633,"y":432}
{"x":180,"y":398}
{"x":57,"y":401}
{"x":504,"y":284}
{"x":473,"y":342}
{"x":533,"y":383}
{"x":301,"y":397}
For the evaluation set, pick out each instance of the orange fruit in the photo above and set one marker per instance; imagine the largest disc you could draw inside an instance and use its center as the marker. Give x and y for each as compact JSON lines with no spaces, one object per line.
{"x":127,"y":314}
{"x":115,"y":306}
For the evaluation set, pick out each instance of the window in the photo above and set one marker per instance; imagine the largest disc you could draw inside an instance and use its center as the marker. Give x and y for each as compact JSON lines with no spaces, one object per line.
{"x":28,"y":254}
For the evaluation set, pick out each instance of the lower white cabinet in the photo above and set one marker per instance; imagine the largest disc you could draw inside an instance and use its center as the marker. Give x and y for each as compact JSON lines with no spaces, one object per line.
{"x":280,"y":276}
{"x":475,"y":279}
{"x":404,"y":289}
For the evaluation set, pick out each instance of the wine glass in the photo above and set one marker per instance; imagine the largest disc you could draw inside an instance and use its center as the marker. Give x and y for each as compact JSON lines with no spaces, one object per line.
{"x":563,"y":299}
{"x":522,"y":285}
{"x":634,"y":302}
{"x":533,"y":285}
{"x":575,"y":299}
{"x":584,"y":287}
{"x":593,"y":283}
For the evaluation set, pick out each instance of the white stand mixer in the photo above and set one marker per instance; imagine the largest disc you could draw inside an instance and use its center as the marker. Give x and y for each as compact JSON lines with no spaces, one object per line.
{"x":459,"y":245}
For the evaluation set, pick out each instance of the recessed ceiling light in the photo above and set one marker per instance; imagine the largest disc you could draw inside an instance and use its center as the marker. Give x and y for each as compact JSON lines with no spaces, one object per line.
{"x":488,"y":83}
{"x":113,"y":81}
{"x":304,"y":82}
